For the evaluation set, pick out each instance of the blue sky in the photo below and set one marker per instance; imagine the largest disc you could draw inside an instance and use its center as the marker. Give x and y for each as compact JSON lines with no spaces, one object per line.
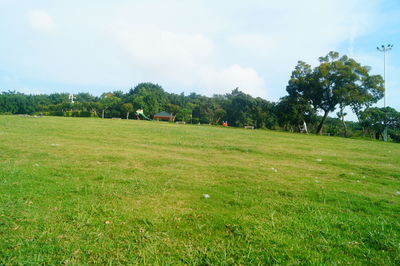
{"x":188,"y":46}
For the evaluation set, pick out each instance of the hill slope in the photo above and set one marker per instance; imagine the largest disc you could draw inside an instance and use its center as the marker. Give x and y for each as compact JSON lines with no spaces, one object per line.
{"x":113,"y":191}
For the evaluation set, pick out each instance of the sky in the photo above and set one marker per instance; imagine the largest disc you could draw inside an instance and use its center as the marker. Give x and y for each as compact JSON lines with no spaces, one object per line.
{"x":203,"y":46}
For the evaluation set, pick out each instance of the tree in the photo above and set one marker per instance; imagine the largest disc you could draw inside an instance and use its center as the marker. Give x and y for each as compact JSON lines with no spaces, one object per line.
{"x":362,"y":93}
{"x":127,"y":108}
{"x":375,"y":119}
{"x":341,"y":114}
{"x":208,"y":110}
{"x":107,"y":100}
{"x":337,"y":81}
{"x":183,"y":114}
{"x":239,"y":108}
{"x":93,"y":107}
{"x":57,"y":98}
{"x":294,"y":112}
{"x":172,"y":108}
{"x":150,"y":97}
{"x":371,"y":90}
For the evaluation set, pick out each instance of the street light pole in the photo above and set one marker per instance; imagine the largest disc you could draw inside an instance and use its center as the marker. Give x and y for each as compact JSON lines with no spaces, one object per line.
{"x":384,"y":49}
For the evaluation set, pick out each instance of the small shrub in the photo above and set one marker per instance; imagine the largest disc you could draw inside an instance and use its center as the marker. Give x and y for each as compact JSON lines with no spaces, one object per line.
{"x":86,"y":114}
{"x":55,"y":113}
{"x":395,"y":137}
{"x":75,"y":113}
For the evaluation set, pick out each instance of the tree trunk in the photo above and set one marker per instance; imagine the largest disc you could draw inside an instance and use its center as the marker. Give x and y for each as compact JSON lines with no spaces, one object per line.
{"x":319,"y":128}
{"x":127,"y":115}
{"x":305,"y":127}
{"x":345,"y":127}
{"x":102,"y":113}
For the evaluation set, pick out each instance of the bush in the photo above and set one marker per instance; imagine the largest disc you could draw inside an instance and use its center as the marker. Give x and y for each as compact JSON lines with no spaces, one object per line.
{"x":55,"y":113}
{"x":75,"y":114}
{"x":395,"y":137}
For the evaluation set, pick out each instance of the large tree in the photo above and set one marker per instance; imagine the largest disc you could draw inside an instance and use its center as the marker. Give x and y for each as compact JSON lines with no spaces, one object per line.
{"x":208,"y":110}
{"x":239,"y":108}
{"x":150,"y":97}
{"x":336,"y":82}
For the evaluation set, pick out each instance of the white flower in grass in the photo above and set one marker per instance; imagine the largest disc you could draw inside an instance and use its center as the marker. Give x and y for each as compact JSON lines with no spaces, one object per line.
{"x":206,"y":196}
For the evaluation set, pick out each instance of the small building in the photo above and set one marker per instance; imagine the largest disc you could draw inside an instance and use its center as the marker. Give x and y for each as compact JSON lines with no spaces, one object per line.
{"x":164,"y":116}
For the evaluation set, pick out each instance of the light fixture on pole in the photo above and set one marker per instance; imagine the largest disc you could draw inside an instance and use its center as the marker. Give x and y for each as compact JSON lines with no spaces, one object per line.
{"x":384,"y":49}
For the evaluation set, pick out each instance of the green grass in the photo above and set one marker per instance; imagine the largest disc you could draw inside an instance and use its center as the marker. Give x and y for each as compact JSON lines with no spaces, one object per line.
{"x":92,"y":191}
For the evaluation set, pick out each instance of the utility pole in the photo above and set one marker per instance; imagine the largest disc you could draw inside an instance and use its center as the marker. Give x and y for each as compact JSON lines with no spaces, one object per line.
{"x":384,"y":49}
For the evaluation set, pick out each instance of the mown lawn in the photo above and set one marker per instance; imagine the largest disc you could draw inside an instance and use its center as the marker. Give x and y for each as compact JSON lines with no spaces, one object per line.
{"x":93,"y":191}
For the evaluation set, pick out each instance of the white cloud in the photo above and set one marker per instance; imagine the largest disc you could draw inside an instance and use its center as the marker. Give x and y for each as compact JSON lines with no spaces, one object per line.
{"x":161,"y":50}
{"x":252,"y":41}
{"x":41,"y":21}
{"x":223,"y":80}
{"x":186,"y":60}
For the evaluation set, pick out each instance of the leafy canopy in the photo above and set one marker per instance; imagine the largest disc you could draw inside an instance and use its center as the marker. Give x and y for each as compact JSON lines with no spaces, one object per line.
{"x":337,"y":81}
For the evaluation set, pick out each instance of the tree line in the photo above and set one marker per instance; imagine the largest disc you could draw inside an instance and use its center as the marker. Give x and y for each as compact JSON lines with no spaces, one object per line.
{"x":338,"y":82}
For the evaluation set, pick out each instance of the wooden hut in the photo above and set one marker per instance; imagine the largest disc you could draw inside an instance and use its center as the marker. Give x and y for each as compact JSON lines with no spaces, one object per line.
{"x":164,"y":116}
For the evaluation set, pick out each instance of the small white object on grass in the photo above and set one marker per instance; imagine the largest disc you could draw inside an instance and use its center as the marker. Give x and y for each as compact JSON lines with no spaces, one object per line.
{"x":206,"y":196}
{"x":397,"y":192}
{"x":319,"y":160}
{"x":55,"y":144}
{"x":36,"y":164}
{"x":275,"y":170}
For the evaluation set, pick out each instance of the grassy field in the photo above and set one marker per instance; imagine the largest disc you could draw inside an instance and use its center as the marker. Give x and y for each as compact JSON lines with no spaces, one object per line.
{"x":86,"y":191}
